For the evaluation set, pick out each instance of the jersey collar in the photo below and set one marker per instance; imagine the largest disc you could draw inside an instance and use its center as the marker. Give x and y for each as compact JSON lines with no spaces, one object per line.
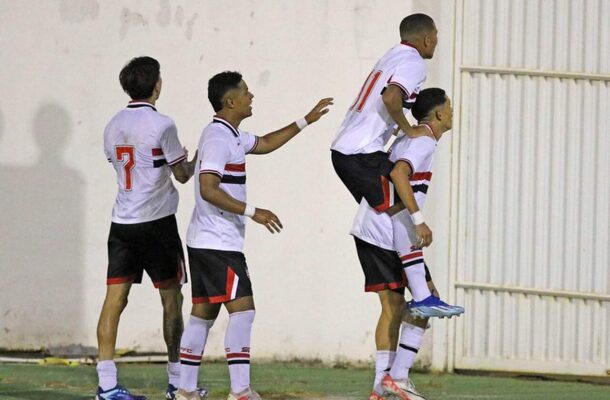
{"x":408,"y":44}
{"x":224,"y":122}
{"x":431,"y":130}
{"x":140,"y":104}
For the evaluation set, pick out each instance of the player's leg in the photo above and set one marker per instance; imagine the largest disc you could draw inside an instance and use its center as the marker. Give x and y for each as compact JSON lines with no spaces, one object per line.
{"x":173,"y":326}
{"x":412,"y":333}
{"x":238,"y":337}
{"x":383,"y":274}
{"x":411,"y":255}
{"x":160,"y":250}
{"x":123,"y":271}
{"x":107,"y":326}
{"x":192,"y":346}
{"x":202,"y":318}
{"x":424,"y":304}
{"x":386,"y":335}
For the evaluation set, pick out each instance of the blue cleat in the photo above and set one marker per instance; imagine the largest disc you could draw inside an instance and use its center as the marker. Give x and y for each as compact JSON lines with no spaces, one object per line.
{"x":170,"y":393}
{"x":431,"y":307}
{"x":116,"y":393}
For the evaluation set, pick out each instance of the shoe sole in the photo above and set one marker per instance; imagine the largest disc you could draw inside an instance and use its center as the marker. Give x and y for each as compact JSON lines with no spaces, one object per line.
{"x":432,"y":313}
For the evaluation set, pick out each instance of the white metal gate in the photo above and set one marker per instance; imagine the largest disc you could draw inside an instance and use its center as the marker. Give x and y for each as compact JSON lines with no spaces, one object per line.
{"x":531,"y":213}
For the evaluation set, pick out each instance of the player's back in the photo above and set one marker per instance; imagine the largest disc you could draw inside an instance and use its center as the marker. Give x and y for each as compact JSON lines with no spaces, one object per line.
{"x":367,"y":126}
{"x":135,"y":142}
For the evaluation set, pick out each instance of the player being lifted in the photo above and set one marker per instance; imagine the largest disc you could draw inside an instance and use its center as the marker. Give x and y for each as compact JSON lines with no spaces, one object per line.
{"x":143,"y":147}
{"x":392,"y":86}
{"x":406,"y":232}
{"x":215,"y":237}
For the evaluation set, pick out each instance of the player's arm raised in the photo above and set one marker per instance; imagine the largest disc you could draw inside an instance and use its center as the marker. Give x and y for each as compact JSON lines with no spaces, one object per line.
{"x":209,"y":188}
{"x":274,"y":140}
{"x":392,"y":98}
{"x":400,"y":177}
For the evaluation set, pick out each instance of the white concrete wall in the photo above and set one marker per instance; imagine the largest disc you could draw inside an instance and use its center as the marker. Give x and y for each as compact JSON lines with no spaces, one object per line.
{"x":59,"y":63}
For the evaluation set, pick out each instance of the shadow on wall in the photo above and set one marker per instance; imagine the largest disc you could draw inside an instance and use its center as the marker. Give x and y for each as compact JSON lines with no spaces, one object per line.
{"x":41,"y":245}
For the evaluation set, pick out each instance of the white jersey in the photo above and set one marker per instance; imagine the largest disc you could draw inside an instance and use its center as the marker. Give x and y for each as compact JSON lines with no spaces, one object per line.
{"x":419,"y":153}
{"x":222,"y":151}
{"x":368,"y":126}
{"x":141,"y":144}
{"x":372,"y":226}
{"x":376,"y":227}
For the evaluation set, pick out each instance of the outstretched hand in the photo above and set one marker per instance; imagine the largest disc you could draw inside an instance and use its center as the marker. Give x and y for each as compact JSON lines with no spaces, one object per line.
{"x":320,"y":109}
{"x":268,"y":219}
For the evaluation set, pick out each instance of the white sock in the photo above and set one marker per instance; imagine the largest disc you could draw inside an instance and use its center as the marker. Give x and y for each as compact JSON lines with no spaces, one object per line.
{"x":237,"y":347}
{"x":173,"y":373}
{"x":412,"y":259}
{"x":191,"y":351}
{"x":106,"y":374}
{"x":411,"y":338}
{"x":416,"y":277}
{"x":383,"y":362}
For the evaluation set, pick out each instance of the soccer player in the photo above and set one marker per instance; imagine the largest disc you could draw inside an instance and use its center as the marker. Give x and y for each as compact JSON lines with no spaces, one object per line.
{"x":377,"y":234}
{"x":411,"y":174}
{"x":215,"y":237}
{"x":358,"y":150}
{"x":384,"y":275}
{"x":143,"y":147}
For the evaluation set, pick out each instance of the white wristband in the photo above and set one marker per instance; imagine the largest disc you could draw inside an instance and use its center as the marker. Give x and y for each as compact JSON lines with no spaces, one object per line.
{"x":249,"y":211}
{"x":301,"y":123}
{"x":417,"y":217}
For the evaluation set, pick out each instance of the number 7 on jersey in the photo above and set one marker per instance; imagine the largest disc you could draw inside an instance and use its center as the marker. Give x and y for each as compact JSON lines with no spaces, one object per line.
{"x":128,"y":165}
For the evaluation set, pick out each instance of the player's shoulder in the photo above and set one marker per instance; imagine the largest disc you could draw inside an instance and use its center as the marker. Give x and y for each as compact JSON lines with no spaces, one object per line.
{"x":215,"y":132}
{"x":420,"y":144}
{"x":163,"y":121}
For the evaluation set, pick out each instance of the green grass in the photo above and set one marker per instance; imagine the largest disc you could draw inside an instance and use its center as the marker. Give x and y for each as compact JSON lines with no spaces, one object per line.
{"x":282,"y":381}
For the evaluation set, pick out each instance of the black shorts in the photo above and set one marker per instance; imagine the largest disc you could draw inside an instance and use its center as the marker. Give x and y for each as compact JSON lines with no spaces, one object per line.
{"x":154,"y":247}
{"x":382,"y":268}
{"x":218,"y":276}
{"x":366,"y":175}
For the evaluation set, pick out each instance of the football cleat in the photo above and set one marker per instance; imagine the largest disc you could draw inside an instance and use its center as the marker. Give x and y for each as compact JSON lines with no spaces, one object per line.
{"x":396,"y":388}
{"x":400,"y":389}
{"x":116,"y":393}
{"x":172,"y":391}
{"x":432,"y":306}
{"x":375,"y":396}
{"x":413,"y":393}
{"x":247,"y":394}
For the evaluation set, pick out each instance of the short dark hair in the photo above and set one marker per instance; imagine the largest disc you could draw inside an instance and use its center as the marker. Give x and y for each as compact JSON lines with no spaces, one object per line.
{"x":219,"y":85}
{"x":415,"y":24}
{"x":139,"y":77}
{"x":427,"y":100}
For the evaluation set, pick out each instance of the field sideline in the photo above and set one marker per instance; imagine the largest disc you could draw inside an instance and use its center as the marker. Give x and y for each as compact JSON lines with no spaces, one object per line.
{"x":276,"y":381}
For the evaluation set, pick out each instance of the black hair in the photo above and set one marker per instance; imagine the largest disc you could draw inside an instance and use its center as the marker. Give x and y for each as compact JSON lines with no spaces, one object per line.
{"x":416,"y":24}
{"x":427,"y":100}
{"x":219,"y":85}
{"x":139,"y":77}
